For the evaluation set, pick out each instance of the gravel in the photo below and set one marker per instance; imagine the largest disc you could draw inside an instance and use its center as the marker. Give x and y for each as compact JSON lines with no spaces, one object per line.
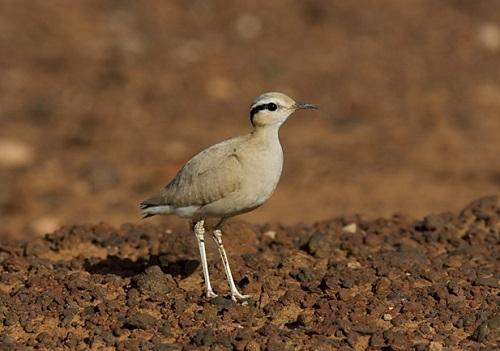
{"x":396,"y":283}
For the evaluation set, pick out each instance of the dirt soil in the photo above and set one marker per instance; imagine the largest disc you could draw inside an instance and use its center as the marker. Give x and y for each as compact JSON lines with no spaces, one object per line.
{"x":102,"y":101}
{"x":345,"y":284}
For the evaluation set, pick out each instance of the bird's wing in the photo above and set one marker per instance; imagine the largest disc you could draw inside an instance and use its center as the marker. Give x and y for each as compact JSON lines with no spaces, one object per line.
{"x":209,"y":176}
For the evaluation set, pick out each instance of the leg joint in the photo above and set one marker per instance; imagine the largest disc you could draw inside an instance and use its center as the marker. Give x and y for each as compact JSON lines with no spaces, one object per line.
{"x":199,"y":230}
{"x":218,"y":236}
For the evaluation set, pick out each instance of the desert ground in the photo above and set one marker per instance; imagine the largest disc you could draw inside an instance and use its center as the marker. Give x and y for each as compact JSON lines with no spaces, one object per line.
{"x":348,"y":283}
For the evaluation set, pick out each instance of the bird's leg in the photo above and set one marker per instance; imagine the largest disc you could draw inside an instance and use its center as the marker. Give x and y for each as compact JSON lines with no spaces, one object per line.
{"x":199,"y":232}
{"x":235,"y":294}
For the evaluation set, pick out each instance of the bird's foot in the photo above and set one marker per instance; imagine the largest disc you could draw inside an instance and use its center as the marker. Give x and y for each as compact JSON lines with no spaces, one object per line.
{"x":210,"y":294}
{"x":236,"y":295}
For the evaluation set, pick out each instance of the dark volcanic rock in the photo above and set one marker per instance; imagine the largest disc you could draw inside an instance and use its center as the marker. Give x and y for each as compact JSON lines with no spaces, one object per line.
{"x":154,"y":283}
{"x":397,"y":284}
{"x":140,"y":321}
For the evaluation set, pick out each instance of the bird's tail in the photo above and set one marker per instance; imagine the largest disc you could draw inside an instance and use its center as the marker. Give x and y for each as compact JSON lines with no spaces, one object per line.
{"x":154,"y":206}
{"x":146,"y":210}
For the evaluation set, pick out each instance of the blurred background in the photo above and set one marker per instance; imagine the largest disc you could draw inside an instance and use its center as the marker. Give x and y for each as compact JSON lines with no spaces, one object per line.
{"x":101,"y":102}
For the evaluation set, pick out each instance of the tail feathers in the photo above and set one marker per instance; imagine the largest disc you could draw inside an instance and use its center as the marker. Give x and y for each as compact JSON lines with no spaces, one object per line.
{"x":146,"y":215}
{"x":153,"y":206}
{"x":144,"y":210}
{"x":149,"y":210}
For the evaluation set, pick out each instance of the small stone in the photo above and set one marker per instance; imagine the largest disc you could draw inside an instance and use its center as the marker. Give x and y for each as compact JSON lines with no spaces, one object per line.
{"x":425,"y":329}
{"x":271,"y":234}
{"x":398,"y":320}
{"x":29,"y":327}
{"x":350,"y":228}
{"x":352,"y":338}
{"x":487,"y":330}
{"x":304,"y":274}
{"x":108,"y":338}
{"x":154,"y":283}
{"x":140,"y":321}
{"x":252,"y":345}
{"x":67,"y":316}
{"x":434,"y":222}
{"x":345,"y":294}
{"x":35,"y":247}
{"x":347,"y":282}
{"x":244,"y":334}
{"x":435,"y":346}
{"x":377,"y":340}
{"x":354,"y":265}
{"x":165,"y":330}
{"x":387,"y":317}
{"x":132,"y":297}
{"x":453,"y":262}
{"x":43,"y":337}
{"x":203,"y":337}
{"x":71,"y":340}
{"x":11,"y":318}
{"x":318,"y":246}
{"x":304,"y":319}
{"x":222,"y":303}
{"x":365,"y":327}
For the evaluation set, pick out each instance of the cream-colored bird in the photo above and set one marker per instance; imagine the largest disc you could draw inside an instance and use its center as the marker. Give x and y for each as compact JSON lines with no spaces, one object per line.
{"x":229,"y":178}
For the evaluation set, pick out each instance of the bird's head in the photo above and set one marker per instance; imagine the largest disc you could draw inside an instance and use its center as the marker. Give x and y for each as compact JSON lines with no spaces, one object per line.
{"x":274,"y":109}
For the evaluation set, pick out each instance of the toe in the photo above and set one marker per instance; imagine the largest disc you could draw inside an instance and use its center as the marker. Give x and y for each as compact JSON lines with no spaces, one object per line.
{"x":236,"y":295}
{"x":211,"y":294}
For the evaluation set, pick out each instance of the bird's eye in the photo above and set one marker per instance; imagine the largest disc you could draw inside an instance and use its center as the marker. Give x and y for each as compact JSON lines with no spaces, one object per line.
{"x":272,"y":106}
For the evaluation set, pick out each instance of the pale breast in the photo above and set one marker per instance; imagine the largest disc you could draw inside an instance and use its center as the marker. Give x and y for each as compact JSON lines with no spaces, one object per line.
{"x":262,"y":171}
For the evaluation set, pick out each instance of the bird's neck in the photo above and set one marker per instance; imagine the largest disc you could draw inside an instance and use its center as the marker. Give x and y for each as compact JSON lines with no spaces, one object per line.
{"x":268,"y":133}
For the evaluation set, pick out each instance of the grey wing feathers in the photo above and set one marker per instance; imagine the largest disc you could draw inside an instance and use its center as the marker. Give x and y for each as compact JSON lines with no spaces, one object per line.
{"x":209,"y":176}
{"x":155,"y":200}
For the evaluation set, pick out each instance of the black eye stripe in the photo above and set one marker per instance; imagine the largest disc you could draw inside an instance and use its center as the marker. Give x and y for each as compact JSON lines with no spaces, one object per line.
{"x":270,"y":106}
{"x":257,"y":108}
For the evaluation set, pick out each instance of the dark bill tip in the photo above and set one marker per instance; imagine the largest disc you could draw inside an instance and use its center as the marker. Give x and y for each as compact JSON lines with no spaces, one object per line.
{"x":303,"y":106}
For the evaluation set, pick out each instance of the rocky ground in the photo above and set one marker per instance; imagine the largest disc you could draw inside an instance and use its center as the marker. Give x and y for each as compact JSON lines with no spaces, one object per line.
{"x":102,"y":101}
{"x":344,"y":284}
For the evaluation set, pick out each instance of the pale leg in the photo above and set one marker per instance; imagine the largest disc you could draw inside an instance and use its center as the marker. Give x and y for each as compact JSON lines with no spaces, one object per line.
{"x":199,"y":232}
{"x":235,"y":294}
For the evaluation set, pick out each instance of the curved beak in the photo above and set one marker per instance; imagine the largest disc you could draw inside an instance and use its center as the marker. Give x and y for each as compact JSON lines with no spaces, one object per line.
{"x":304,"y":106}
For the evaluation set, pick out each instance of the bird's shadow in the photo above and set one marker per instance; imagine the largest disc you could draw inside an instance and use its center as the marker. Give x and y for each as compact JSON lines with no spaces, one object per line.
{"x":125,"y":267}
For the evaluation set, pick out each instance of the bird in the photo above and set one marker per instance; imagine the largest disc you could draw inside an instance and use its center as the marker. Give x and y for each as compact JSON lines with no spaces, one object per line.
{"x":232,"y":177}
